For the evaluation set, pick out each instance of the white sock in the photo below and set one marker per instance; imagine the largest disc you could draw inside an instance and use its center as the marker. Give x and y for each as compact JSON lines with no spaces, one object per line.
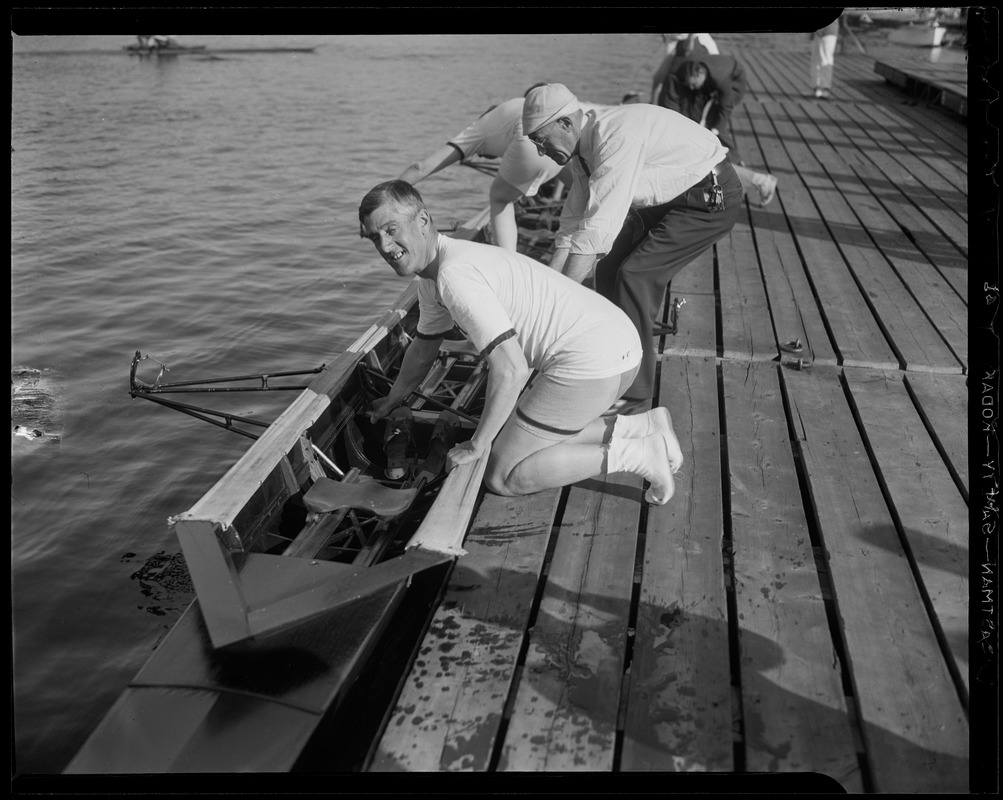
{"x":637,"y":426}
{"x":650,"y":459}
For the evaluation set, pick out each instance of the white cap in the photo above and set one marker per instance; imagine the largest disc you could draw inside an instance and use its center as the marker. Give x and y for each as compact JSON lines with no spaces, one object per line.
{"x":546,"y":103}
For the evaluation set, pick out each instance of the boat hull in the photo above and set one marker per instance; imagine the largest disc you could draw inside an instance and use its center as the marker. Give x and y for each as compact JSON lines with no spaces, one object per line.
{"x":195,"y":709}
{"x":918,"y":36}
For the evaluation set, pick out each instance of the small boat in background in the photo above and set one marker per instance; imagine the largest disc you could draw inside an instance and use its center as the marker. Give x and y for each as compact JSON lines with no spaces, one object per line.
{"x":918,"y":35}
{"x":202,"y":50}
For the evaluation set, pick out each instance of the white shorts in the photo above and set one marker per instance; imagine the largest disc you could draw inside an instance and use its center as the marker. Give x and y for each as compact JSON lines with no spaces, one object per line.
{"x":556,"y":408}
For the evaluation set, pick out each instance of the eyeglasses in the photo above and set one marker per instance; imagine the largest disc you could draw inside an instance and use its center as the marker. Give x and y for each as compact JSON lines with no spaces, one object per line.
{"x":539,"y":147}
{"x":541,"y":140}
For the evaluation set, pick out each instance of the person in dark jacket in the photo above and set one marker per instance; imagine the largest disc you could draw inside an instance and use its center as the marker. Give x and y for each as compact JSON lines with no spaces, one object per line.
{"x":677,"y":49}
{"x":706,"y":89}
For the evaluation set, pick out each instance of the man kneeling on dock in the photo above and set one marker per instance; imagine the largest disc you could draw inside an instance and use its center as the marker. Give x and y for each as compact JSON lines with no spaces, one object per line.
{"x":522,"y":316}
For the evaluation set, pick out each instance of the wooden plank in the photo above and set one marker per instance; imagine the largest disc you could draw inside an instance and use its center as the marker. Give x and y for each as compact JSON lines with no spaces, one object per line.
{"x":899,"y":139}
{"x":948,"y":135}
{"x":794,"y":712}
{"x":697,"y":330}
{"x":770,"y":79}
{"x":931,"y":511}
{"x":796,"y":314}
{"x":914,"y":727}
{"x":942,"y":254}
{"x":444,"y":526}
{"x":747,"y":329}
{"x":891,"y":74}
{"x":451,"y":708}
{"x":945,"y":310}
{"x":913,"y":77}
{"x":955,"y":100}
{"x":916,"y":341}
{"x":857,"y":336}
{"x":929,"y":203}
{"x":564,"y":714}
{"x":943,"y":404}
{"x":678,"y":714}
{"x":856,"y":86}
{"x":943,"y":176}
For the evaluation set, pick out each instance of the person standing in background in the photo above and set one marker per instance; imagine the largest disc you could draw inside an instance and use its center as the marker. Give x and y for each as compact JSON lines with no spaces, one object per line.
{"x":683,"y":43}
{"x":823,"y":57}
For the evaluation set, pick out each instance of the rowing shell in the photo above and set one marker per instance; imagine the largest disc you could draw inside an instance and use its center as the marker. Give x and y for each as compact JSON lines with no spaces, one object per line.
{"x":298,"y":585}
{"x":312,"y":558}
{"x":202,"y":50}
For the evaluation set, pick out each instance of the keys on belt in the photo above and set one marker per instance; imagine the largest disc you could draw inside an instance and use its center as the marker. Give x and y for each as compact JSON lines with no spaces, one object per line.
{"x":714,"y":195}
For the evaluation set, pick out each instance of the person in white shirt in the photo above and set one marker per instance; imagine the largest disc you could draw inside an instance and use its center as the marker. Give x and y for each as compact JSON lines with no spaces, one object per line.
{"x":497,"y":133}
{"x":522,"y":317}
{"x":650,"y":191}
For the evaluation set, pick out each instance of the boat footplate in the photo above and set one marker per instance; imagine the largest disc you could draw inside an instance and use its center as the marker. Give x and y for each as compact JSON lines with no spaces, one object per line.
{"x":364,"y":494}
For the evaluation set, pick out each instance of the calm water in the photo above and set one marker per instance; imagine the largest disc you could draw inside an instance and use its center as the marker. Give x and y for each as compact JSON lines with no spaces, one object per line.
{"x":203,"y":211}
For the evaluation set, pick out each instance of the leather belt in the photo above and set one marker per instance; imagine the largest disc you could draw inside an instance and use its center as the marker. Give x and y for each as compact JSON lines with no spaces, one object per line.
{"x":717,"y":170}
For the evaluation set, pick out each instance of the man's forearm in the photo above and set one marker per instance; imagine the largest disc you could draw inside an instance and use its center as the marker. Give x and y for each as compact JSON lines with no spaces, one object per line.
{"x":558,"y":259}
{"x":440,"y":159}
{"x":579,"y":265}
{"x":504,"y":225}
{"x":418,"y":360}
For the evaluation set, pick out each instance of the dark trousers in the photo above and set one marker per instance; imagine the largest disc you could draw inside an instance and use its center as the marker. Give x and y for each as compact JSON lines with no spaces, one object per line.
{"x":653,"y":245}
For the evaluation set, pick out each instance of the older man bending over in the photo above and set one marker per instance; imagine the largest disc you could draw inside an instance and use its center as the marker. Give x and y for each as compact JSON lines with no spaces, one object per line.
{"x":522,"y":316}
{"x":650,"y":191}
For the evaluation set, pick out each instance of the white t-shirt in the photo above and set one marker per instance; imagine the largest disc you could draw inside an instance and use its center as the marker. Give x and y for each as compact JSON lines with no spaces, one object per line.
{"x":498,"y":134}
{"x":494,"y":294}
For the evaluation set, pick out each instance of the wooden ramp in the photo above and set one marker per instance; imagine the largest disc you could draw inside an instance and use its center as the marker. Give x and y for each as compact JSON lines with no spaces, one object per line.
{"x":943,"y":84}
{"x":801,"y":604}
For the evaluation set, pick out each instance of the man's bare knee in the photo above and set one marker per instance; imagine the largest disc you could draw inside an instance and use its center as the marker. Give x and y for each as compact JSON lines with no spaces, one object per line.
{"x":498,"y":481}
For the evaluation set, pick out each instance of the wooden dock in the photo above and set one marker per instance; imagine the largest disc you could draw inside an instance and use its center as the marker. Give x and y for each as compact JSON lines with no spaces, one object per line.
{"x":943,"y":84}
{"x":802,"y":604}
